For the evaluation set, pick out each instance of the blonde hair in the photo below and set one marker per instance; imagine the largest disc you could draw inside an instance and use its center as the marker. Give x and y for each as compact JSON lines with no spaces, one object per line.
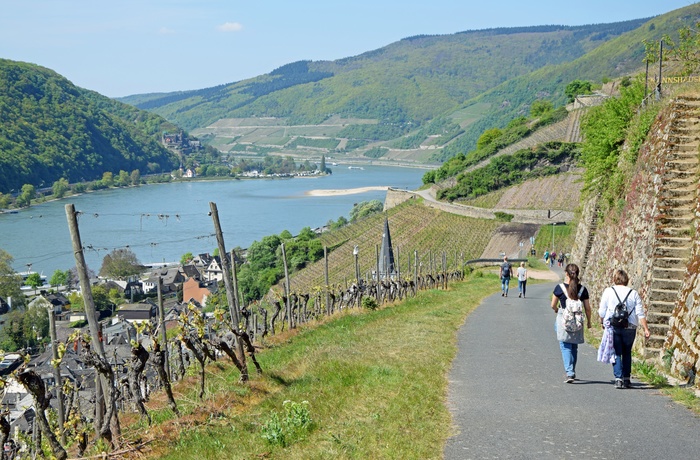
{"x":522,"y":264}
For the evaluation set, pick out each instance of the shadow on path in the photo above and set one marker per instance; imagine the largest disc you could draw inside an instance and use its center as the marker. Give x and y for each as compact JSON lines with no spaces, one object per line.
{"x":508,"y":398}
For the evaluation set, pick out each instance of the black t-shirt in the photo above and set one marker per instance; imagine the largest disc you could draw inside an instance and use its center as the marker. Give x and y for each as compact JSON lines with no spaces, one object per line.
{"x":562,"y":297}
{"x":506,"y":268}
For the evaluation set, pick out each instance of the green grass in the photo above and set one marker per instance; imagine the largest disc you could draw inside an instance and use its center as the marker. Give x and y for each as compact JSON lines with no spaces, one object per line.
{"x":564,"y":236}
{"x":371,"y":392}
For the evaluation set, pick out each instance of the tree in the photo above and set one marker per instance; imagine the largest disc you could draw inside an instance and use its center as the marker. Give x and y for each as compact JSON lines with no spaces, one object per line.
{"x":26,"y":196}
{"x":60,"y":187}
{"x":101,"y":298}
{"x":34,"y":281}
{"x":107,"y":179}
{"x":121,"y":264}
{"x":10,"y":281}
{"x":186,"y":258}
{"x":74,"y":278}
{"x":124,"y":179}
{"x":4,"y":200}
{"x":323,"y":164}
{"x":24,"y":329}
{"x":577,"y":87}
{"x":540,"y":107}
{"x":488,"y":137}
{"x":135,"y":177}
{"x":59,"y":278}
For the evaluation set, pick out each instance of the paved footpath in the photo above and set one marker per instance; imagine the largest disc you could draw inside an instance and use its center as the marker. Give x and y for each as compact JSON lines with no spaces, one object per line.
{"x":508,"y":398}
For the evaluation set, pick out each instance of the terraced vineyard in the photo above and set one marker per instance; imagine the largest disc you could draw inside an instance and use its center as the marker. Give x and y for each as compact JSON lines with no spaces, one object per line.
{"x":413,"y":227}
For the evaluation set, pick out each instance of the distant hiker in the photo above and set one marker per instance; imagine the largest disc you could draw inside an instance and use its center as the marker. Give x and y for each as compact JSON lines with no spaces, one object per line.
{"x":552,"y":258}
{"x":561,"y":260}
{"x":505,"y":274}
{"x":522,"y":279}
{"x":621,"y":336}
{"x":546,"y":256}
{"x":570,"y":295}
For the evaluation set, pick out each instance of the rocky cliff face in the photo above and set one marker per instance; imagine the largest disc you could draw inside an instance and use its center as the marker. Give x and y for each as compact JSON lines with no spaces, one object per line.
{"x":654,"y":238}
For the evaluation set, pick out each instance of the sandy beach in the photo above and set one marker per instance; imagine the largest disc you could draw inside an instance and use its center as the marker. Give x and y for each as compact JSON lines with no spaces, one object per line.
{"x":347,"y":191}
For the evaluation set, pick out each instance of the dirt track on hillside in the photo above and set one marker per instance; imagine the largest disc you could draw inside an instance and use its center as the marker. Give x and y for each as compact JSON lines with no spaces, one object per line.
{"x":507,"y":240}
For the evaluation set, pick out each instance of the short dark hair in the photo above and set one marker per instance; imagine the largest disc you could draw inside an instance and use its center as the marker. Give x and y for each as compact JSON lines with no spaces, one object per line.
{"x":620,"y":277}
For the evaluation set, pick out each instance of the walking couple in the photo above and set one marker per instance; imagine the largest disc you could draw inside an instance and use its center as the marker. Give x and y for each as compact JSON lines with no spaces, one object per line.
{"x":506,"y":272}
{"x":617,"y":342}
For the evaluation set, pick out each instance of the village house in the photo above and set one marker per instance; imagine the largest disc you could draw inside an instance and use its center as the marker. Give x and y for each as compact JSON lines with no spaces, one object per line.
{"x":198,"y":291}
{"x":171,"y":280}
{"x":138,"y":312}
{"x":56,"y":301}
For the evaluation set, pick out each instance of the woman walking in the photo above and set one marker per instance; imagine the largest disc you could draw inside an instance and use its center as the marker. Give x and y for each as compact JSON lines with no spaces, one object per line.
{"x":522,"y":279}
{"x":623,"y":335}
{"x":571,"y":292}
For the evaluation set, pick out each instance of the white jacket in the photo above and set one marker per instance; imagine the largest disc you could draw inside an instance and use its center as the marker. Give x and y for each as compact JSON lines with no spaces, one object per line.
{"x":609,"y":301}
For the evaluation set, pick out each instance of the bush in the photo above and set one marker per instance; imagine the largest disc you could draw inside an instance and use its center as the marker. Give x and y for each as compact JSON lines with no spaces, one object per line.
{"x":370,"y":303}
{"x":504,"y":216}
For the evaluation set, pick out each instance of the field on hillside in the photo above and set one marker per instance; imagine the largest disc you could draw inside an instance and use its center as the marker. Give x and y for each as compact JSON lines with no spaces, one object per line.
{"x":413,"y":227}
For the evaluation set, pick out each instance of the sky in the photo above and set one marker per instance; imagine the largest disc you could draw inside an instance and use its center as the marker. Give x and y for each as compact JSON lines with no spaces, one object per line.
{"x":124,"y":47}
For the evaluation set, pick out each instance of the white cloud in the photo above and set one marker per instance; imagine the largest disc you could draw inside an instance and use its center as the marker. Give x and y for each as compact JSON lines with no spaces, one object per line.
{"x":165,"y":31}
{"x":230,"y":27}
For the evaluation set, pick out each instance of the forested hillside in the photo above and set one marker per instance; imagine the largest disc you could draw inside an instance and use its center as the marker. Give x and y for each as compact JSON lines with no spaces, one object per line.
{"x":622,"y":56}
{"x":51,"y":129}
{"x":410,"y":81}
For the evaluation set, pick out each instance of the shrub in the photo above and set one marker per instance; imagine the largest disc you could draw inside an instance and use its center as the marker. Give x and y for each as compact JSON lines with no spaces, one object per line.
{"x":504,"y":216}
{"x":370,"y":303}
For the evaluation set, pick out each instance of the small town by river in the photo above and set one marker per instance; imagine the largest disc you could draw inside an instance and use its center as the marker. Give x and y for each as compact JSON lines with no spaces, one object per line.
{"x":161,"y":222}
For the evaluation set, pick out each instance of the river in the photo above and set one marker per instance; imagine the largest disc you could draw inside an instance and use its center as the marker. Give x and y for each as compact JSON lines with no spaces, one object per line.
{"x":161,"y":222}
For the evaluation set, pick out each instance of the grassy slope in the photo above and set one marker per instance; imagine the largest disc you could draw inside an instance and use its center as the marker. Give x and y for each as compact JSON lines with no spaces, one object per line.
{"x":372,"y":393}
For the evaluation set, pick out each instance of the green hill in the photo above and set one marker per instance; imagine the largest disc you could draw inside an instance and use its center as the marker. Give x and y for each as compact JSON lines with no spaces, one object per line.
{"x":419,"y":99}
{"x":51,"y":129}
{"x":413,"y":80}
{"x":621,"y":56}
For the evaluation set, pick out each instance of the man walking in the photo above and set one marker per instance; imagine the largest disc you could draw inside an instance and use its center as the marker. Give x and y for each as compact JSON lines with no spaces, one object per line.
{"x":506,"y":273}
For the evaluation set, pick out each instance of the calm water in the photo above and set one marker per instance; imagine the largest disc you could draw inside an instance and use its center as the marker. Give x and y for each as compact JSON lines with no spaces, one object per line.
{"x":162,"y":222}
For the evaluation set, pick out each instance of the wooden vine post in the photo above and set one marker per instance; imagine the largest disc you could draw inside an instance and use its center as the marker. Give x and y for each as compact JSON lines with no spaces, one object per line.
{"x":325,"y":270}
{"x":161,"y":321}
{"x":288,"y":305}
{"x":102,"y":427}
{"x":230,"y":297}
{"x":57,"y":374}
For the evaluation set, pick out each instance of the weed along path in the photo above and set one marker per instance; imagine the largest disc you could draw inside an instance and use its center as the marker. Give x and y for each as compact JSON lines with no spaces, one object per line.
{"x":508,"y":398}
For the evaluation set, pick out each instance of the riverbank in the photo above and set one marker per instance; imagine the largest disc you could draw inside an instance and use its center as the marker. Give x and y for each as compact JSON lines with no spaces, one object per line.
{"x":347,"y":191}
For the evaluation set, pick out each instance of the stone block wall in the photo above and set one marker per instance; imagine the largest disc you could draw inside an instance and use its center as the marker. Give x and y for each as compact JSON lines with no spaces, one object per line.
{"x":629,"y":242}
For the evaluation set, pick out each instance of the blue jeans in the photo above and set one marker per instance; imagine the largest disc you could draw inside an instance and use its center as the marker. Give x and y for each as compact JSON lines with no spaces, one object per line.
{"x":504,"y":284}
{"x":623,"y":339}
{"x":569,"y":354}
{"x":522,"y":285}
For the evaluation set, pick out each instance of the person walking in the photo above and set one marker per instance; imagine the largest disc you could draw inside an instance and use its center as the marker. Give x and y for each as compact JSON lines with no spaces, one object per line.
{"x":506,"y":273}
{"x":522,"y":280}
{"x":623,"y":335}
{"x":570,"y":292}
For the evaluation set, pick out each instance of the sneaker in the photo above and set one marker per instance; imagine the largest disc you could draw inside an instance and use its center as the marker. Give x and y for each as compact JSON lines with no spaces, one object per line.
{"x":503,"y":294}
{"x":520,"y":295}
{"x":626,"y":383}
{"x":619,"y":384}
{"x":570,"y":378}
